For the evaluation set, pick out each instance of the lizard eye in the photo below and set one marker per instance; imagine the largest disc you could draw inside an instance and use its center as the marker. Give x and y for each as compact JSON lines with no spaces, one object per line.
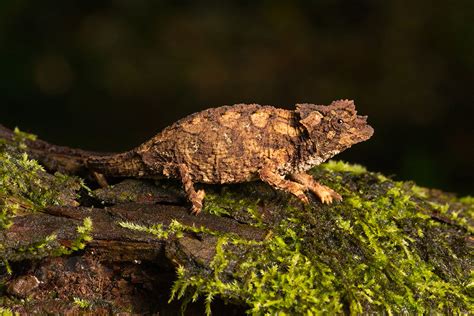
{"x":338,"y":124}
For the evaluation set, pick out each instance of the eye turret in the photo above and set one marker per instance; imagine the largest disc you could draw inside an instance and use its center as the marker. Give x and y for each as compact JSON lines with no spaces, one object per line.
{"x":338,"y":123}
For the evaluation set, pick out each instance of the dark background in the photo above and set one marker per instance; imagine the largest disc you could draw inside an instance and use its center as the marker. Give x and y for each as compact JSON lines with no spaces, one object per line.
{"x":107,"y":75}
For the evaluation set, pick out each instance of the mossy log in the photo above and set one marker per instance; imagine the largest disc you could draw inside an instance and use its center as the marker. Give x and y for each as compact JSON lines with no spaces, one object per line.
{"x":134,"y":246}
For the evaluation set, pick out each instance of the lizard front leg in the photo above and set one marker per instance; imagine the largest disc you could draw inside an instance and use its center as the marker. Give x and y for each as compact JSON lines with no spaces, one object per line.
{"x":268,"y":175}
{"x":193,"y":196}
{"x":325,"y":194}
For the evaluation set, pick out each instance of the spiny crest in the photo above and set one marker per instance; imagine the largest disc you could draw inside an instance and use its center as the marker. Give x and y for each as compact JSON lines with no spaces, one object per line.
{"x":343,"y":104}
{"x":346,"y":104}
{"x":304,"y":109}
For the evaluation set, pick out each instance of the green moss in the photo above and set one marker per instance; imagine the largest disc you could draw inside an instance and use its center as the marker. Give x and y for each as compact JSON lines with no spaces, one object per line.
{"x":274,"y":277}
{"x":7,"y":312}
{"x":7,"y":267}
{"x":175,"y":228}
{"x":129,"y":190}
{"x":467,"y":213}
{"x":381,"y":250}
{"x":84,"y":232}
{"x":82,"y":303}
{"x":341,"y":166}
{"x":233,"y":203}
{"x":156,"y":230}
{"x":419,"y":191}
{"x":227,"y":201}
{"x":20,"y":138}
{"x":39,"y":247}
{"x":49,"y":246}
{"x":458,"y":211}
{"x":25,"y":186}
{"x":389,"y":247}
{"x":468,"y":200}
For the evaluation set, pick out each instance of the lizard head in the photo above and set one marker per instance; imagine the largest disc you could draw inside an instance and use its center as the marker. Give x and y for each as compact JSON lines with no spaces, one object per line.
{"x":335,"y":127}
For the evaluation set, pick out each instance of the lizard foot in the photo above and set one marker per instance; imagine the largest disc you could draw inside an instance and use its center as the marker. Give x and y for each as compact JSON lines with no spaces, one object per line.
{"x":326,"y":195}
{"x":303,"y":198}
{"x":196,"y":200}
{"x":268,"y":175}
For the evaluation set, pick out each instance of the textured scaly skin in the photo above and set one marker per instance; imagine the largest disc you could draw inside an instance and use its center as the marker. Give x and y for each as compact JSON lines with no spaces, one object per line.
{"x":245,"y":142}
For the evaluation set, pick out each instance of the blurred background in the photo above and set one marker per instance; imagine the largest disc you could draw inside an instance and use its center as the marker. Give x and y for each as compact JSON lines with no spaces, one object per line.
{"x":107,"y":75}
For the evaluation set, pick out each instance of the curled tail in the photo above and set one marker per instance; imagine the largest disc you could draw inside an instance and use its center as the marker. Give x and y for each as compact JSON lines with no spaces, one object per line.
{"x":128,"y":164}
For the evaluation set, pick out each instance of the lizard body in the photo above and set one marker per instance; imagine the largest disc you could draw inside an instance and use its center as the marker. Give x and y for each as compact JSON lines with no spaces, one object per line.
{"x":245,"y":142}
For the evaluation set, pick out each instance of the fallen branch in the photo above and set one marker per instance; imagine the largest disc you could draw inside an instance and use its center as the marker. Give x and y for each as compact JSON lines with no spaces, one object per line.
{"x":389,"y":246}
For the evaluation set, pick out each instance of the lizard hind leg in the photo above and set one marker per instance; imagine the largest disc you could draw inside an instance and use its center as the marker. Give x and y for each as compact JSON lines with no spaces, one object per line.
{"x":268,"y":175}
{"x":194,"y":196}
{"x":324,"y":193}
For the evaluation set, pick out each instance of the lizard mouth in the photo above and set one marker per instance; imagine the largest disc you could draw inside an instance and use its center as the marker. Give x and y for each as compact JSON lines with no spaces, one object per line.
{"x":364,"y":130}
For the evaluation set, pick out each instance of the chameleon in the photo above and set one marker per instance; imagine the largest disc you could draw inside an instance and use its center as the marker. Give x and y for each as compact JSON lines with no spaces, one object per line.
{"x":245,"y":142}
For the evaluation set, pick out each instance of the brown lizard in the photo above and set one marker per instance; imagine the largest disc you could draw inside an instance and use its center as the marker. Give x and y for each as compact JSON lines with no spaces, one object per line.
{"x":245,"y":142}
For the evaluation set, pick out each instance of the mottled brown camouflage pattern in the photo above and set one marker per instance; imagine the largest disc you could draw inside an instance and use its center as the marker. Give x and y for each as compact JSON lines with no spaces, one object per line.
{"x":245,"y":142}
